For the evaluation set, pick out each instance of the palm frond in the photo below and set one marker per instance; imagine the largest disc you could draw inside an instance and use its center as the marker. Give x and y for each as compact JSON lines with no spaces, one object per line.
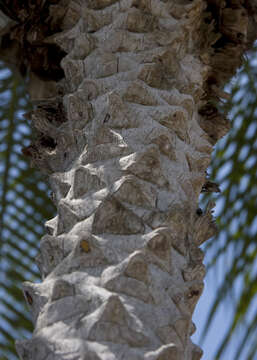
{"x":234,"y":168}
{"x":24,"y":207}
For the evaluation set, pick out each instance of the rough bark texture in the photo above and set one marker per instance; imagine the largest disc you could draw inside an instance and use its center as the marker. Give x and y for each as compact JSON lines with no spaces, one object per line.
{"x":126,"y":133}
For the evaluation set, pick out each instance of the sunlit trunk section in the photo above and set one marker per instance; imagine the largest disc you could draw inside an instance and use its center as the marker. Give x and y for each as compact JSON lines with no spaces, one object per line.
{"x":126,"y":117}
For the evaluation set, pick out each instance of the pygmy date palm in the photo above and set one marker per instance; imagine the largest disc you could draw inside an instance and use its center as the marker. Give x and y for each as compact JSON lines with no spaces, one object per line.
{"x":126,"y":116}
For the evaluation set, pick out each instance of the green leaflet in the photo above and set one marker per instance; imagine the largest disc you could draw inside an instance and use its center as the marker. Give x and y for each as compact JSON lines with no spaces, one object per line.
{"x":234,"y":168}
{"x":24,"y":207}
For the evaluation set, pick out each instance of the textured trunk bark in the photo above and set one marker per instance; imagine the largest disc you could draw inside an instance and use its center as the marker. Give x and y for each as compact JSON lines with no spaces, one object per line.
{"x":126,"y":134}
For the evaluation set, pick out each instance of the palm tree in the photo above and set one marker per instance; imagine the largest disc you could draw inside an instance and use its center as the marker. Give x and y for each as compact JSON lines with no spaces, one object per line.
{"x":126,"y":118}
{"x":235,"y":248}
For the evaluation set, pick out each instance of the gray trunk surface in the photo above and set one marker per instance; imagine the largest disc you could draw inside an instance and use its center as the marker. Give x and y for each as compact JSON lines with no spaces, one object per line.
{"x":126,"y":123}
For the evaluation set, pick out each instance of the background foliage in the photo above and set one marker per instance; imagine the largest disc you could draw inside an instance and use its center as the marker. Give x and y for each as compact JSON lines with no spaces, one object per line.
{"x":234,"y":250}
{"x":25,"y":205}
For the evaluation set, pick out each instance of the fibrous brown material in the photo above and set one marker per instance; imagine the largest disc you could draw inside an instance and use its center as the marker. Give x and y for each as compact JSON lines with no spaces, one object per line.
{"x":230,"y":29}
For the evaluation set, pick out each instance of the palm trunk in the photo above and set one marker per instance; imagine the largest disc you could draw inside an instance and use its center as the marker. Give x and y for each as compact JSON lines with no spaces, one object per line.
{"x":126,"y":136}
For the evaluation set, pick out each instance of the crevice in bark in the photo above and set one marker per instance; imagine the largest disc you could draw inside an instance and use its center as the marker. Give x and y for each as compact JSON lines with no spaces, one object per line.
{"x":48,"y":142}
